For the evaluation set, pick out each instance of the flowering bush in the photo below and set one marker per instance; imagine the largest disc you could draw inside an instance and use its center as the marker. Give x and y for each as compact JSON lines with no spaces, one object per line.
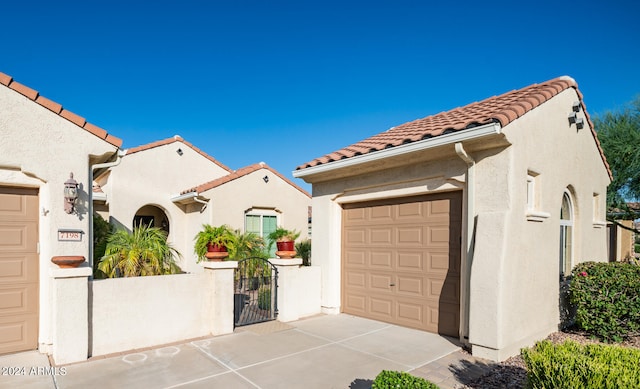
{"x":607,"y":299}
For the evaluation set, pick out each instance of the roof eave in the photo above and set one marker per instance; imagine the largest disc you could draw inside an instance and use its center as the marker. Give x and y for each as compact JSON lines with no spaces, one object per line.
{"x":189,"y":198}
{"x":458,"y":136}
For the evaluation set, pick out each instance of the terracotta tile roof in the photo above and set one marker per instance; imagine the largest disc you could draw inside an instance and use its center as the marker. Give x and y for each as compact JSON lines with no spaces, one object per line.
{"x":502,"y":109}
{"x":58,"y":109}
{"x":238,"y":174}
{"x":175,"y":138}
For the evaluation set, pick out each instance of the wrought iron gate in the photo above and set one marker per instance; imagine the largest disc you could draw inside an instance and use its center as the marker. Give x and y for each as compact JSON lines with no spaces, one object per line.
{"x":255,"y":292}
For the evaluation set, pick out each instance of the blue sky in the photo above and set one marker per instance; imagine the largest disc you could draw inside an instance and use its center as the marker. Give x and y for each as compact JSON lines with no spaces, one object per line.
{"x":285,"y":82}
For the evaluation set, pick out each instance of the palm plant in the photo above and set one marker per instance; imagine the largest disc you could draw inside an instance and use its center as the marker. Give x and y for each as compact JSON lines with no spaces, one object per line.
{"x":144,"y":252}
{"x":303,"y":250}
{"x":247,"y":245}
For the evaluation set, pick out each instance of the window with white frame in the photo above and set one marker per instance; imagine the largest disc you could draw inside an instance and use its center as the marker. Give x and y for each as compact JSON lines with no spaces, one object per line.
{"x":262,"y":223}
{"x":566,"y":235}
{"x":598,"y":218}
{"x":531,"y":192}
{"x":533,"y":211}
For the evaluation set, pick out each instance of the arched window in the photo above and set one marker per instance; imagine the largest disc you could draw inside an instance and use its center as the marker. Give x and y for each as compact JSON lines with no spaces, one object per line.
{"x":566,"y":235}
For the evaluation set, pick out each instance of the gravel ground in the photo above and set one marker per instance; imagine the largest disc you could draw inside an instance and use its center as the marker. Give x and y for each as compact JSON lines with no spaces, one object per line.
{"x":512,"y":372}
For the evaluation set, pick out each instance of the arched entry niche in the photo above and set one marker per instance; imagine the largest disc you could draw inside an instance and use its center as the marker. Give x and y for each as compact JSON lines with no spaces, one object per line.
{"x":153,"y":215}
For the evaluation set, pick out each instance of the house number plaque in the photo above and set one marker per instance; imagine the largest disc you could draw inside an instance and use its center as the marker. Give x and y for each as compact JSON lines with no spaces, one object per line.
{"x":70,"y":235}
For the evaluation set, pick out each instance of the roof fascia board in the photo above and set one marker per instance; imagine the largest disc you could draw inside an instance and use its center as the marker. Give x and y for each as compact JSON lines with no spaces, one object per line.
{"x":458,"y":136}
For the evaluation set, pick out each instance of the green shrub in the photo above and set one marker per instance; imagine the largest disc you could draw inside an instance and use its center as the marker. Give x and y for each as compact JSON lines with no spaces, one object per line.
{"x":303,"y":250}
{"x":573,"y":366}
{"x":264,"y":298}
{"x":396,"y":379}
{"x":607,"y":299}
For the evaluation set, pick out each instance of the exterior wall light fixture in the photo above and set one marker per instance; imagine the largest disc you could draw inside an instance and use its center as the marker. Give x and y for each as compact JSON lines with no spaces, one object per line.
{"x":70,"y":194}
{"x":575,"y":107}
{"x":180,"y":152}
{"x":265,"y":179}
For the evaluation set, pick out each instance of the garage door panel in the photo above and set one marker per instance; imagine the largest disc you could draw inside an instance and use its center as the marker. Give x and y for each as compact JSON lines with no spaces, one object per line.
{"x":448,"y":319}
{"x":381,"y":236}
{"x":356,"y":236}
{"x":439,"y":262}
{"x":438,"y":236}
{"x":413,"y":253}
{"x":382,"y":260}
{"x":356,"y":279}
{"x":355,"y":215}
{"x":381,"y":307}
{"x":410,"y":314}
{"x":18,"y":207}
{"x":17,"y":299}
{"x":356,"y":304}
{"x":383,"y":213}
{"x":410,"y":211}
{"x":411,"y":261}
{"x":355,"y":258}
{"x":450,"y":291}
{"x":410,"y":236}
{"x":16,"y":268}
{"x":17,"y":333}
{"x":380,"y":282}
{"x":412,"y":286}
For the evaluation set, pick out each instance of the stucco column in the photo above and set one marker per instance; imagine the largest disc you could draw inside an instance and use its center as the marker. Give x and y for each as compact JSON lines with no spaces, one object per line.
{"x":70,"y":313}
{"x":287,"y":291}
{"x":219,"y":294}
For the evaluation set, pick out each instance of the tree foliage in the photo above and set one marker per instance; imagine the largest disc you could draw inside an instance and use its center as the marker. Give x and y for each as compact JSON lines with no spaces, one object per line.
{"x":143,"y":252}
{"x":619,"y":135}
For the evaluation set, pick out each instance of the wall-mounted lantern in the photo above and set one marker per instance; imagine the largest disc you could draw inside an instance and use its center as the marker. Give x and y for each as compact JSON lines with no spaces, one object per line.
{"x":70,"y":194}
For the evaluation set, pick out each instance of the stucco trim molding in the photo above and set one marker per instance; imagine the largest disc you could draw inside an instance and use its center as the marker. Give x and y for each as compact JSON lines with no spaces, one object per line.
{"x":599,"y":224}
{"x":537,"y":216}
{"x":429,"y":186}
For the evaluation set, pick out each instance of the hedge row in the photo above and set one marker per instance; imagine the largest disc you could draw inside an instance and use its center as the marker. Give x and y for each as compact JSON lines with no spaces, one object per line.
{"x":574,"y":366}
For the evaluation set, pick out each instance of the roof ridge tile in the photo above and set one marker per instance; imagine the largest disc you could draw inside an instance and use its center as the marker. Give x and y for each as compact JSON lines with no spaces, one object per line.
{"x":504,"y":108}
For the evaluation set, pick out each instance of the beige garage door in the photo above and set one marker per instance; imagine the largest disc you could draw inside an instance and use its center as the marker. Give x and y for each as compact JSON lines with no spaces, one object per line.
{"x":18,"y":270}
{"x":401,"y":261}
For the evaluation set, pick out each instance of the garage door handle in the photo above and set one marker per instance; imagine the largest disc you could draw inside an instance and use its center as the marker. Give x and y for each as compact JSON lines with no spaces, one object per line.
{"x":392,"y":284}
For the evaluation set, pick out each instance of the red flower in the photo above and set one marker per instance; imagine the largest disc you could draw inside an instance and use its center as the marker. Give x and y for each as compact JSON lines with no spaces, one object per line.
{"x":584,"y":274}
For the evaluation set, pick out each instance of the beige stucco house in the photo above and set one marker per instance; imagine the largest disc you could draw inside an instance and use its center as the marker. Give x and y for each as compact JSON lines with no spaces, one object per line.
{"x":170,"y":182}
{"x":454,"y":223}
{"x":178,"y":187}
{"x":41,"y":144}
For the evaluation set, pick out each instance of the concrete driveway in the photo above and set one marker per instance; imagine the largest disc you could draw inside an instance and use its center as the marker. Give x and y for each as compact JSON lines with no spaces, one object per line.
{"x":328,"y":351}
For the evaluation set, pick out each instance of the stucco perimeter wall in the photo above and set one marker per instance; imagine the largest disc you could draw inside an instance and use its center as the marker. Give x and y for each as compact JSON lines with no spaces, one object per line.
{"x":231,"y":201}
{"x":39,"y":149}
{"x":525,"y":250}
{"x":137,"y":312}
{"x":421,"y":177}
{"x":153,"y":177}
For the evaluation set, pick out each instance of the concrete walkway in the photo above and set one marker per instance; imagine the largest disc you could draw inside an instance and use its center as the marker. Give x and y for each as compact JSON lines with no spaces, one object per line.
{"x":328,"y":351}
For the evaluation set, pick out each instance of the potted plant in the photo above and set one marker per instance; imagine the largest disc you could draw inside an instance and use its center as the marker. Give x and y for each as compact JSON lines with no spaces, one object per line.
{"x":284,"y":240}
{"x":214,"y":242}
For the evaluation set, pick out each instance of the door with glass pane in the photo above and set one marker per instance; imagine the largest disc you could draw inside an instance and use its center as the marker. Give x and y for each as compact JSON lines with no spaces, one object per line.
{"x":262,"y":225}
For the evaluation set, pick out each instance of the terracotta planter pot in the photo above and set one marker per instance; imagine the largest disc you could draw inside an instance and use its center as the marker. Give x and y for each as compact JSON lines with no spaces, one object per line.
{"x":67,"y":261}
{"x":286,"y":249}
{"x":286,"y":246}
{"x":216,"y":252}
